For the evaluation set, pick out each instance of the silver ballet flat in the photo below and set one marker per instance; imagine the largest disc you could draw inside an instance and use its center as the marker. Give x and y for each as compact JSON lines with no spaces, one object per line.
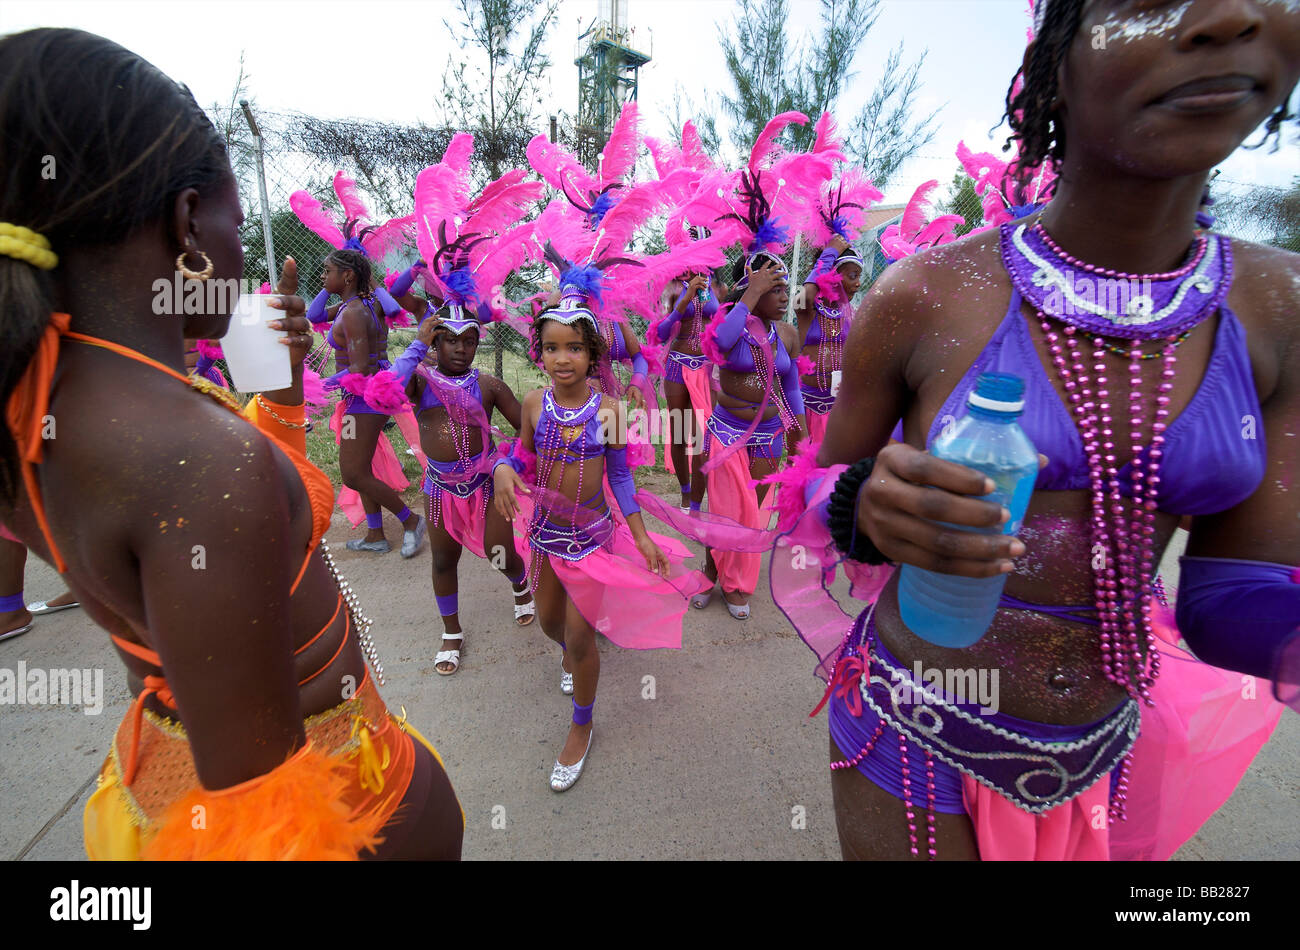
{"x":566,"y":682}
{"x":379,"y":547}
{"x":563,"y":777}
{"x":413,"y":539}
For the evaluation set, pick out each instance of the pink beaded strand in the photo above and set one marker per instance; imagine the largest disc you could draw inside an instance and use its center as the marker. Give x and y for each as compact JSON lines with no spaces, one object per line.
{"x":907,"y":793}
{"x":863,"y":753}
{"x":1202,"y":241}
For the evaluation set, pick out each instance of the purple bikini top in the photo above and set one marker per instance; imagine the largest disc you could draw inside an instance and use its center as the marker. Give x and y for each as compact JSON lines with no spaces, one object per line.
{"x":1214,"y":452}
{"x":741,"y":357}
{"x":586,"y":446}
{"x":815,"y":336}
{"x":469,"y":383}
{"x":329,"y":336}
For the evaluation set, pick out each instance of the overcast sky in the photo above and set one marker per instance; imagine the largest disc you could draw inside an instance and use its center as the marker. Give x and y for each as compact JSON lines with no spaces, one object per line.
{"x":318,"y":56}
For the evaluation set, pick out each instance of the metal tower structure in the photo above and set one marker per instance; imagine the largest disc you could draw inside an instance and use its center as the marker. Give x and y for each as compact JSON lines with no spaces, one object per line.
{"x":608,"y":59}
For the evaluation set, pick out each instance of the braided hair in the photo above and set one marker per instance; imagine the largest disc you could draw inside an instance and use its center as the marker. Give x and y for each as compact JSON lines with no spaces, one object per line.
{"x":351,"y":257}
{"x":1031,"y":110}
{"x":591,"y":338}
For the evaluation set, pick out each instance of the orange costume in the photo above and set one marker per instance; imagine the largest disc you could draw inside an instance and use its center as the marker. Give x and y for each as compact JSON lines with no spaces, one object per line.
{"x":329,"y":800}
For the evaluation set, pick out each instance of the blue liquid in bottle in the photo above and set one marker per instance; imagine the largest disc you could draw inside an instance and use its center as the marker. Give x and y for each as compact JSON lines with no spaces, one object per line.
{"x":953,"y":611}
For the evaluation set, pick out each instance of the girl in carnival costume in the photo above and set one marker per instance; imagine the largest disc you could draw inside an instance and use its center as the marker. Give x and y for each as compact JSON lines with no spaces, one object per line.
{"x":759,"y":397}
{"x":372,"y":475}
{"x":688,"y":374}
{"x":825,"y":309}
{"x":238,"y":713}
{"x":589,"y":572}
{"x":454,"y":405}
{"x":1100,"y":712}
{"x":455,"y":401}
{"x":597,"y":219}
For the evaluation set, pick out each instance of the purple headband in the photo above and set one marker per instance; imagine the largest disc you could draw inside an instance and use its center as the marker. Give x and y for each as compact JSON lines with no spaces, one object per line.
{"x":751,"y":264}
{"x":850,"y":256}
{"x":572,"y":308}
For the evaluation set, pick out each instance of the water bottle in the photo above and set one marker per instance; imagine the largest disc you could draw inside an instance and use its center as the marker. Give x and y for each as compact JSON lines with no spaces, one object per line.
{"x":953,"y":611}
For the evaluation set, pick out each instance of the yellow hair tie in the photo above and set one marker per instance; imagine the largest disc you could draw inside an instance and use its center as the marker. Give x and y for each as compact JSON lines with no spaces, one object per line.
{"x":26,"y":245}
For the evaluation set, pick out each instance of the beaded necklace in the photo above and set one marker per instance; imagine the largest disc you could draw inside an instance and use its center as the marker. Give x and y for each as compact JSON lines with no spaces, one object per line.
{"x":459,"y":415}
{"x":830,"y":348}
{"x":1123,"y":535}
{"x":765,"y":370}
{"x":563,"y":433}
{"x":692,"y":322}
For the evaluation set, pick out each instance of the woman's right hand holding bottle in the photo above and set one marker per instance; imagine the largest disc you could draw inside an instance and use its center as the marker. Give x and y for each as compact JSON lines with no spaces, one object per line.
{"x":909,"y":492}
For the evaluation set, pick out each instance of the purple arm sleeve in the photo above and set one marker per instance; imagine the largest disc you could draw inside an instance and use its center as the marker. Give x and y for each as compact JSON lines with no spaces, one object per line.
{"x":731,"y":327}
{"x":1234,"y":613}
{"x":404,"y":366}
{"x":402,"y":285}
{"x":824,"y":263}
{"x":664,"y":328}
{"x":639,"y":366}
{"x":513,"y":462}
{"x":390,"y":306}
{"x":620,"y":480}
{"x":316,"y":312}
{"x":790,"y":383}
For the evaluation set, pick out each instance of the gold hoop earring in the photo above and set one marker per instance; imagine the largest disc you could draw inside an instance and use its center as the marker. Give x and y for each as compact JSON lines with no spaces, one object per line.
{"x":194,"y":275}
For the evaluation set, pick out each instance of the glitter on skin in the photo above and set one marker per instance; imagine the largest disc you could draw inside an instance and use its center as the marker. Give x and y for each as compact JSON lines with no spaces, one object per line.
{"x":1142,"y":25}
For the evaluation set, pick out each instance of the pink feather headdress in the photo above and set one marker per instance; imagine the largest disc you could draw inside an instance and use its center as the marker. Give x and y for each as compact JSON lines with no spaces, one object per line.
{"x":1006,"y":195}
{"x":595,"y":195}
{"x":357,"y":229}
{"x":919,"y":229}
{"x":472,"y":242}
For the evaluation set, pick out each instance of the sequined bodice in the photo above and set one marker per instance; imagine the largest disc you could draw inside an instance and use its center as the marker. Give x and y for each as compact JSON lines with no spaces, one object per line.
{"x":567,"y":435}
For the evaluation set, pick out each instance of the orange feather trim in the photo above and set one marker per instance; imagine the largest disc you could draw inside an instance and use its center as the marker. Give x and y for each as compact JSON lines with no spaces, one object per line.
{"x":296,"y":812}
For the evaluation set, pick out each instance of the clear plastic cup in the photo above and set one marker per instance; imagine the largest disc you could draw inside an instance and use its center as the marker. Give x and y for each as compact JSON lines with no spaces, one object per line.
{"x":258,"y":361}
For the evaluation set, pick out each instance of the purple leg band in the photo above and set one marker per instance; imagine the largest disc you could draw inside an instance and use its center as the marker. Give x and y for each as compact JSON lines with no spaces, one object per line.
{"x":517,"y":580}
{"x":695,"y":506}
{"x":581,"y":714}
{"x":12,"y":602}
{"x":447,"y":606}
{"x":404,"y":514}
{"x":375,"y":521}
{"x":685,"y":487}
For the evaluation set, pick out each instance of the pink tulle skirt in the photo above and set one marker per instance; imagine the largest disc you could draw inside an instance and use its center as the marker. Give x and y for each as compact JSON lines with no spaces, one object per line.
{"x":618,"y":595}
{"x":731,"y":497}
{"x":1194,"y":747}
{"x":698,"y":384}
{"x":816,"y":425}
{"x":384,"y":464}
{"x":462,"y":518}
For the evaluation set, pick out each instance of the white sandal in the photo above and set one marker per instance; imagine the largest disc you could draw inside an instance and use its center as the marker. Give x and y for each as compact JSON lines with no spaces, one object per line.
{"x":528,"y":610}
{"x":450,"y":656}
{"x":566,"y":681}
